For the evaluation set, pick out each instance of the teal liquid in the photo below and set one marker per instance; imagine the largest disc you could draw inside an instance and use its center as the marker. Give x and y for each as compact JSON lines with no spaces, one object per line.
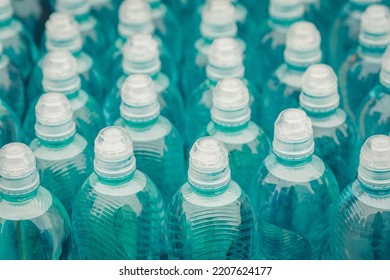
{"x":280,"y":92}
{"x":293,"y":205}
{"x":168,"y":29}
{"x":10,"y":129}
{"x":357,"y":77}
{"x":248,"y":146}
{"x":34,"y":229}
{"x":198,"y":115}
{"x":171,"y":103}
{"x":12,"y":89}
{"x":374,"y":113}
{"x":213,"y":226}
{"x":19,"y":46}
{"x":63,"y":167}
{"x":86,"y":113}
{"x":361,"y":224}
{"x":158,"y":149}
{"x":337,"y":142}
{"x":118,"y":220}
{"x":106,"y":13}
{"x":92,"y":81}
{"x":344,"y":34}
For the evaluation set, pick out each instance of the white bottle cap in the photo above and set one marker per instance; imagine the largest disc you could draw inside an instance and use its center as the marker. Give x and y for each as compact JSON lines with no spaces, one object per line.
{"x":286,"y":9}
{"x":135,"y":16}
{"x":6,"y":10}
{"x":375,"y":26}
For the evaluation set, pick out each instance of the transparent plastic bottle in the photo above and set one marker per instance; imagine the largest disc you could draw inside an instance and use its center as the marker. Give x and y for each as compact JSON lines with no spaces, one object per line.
{"x":336,"y":137}
{"x":303,"y":48}
{"x":135,"y":16}
{"x":373,"y":115}
{"x":94,"y":35}
{"x":17,"y":41}
{"x":345,"y":31}
{"x":218,"y":21}
{"x":362,"y":216}
{"x":231,"y":124}
{"x":10,"y":127}
{"x":271,"y":34}
{"x":64,"y":158}
{"x":141,"y":56}
{"x":293,"y":194}
{"x":62,"y":33}
{"x":34,"y":224}
{"x":225,"y":60}
{"x":60,"y":75}
{"x":118,"y":204}
{"x":158,"y":146}
{"x":210,"y":217}
{"x":12,"y":89}
{"x":360,"y":71}
{"x":106,"y":12}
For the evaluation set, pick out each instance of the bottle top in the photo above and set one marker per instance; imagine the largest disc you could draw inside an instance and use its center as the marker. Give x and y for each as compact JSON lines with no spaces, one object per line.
{"x":303,"y":44}
{"x":286,"y":9}
{"x":139,"y":99}
{"x":135,"y":16}
{"x":141,"y":55}
{"x":114,"y":157}
{"x":60,"y":72}
{"x":17,"y":162}
{"x":209,"y":165}
{"x":374,"y":166}
{"x":73,"y":7}
{"x":293,"y":137}
{"x":6,"y":10}
{"x":385,"y":71}
{"x":230,"y":103}
{"x":63,"y":33}
{"x":225,"y":59}
{"x":375,"y":26}
{"x":319,"y":89}
{"x":54,"y":118}
{"x":218,"y":20}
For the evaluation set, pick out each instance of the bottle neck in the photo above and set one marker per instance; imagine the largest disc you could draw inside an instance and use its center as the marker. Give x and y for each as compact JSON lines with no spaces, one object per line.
{"x":140,"y":124}
{"x":293,"y":161}
{"x":113,"y":182}
{"x":372,"y":52}
{"x":230,"y":128}
{"x":115,"y":170}
{"x":5,"y":22}
{"x":376,"y":189}
{"x":20,"y":189}
{"x":56,"y":144}
{"x":322,"y":114}
{"x":215,"y":73}
{"x":298,"y":68}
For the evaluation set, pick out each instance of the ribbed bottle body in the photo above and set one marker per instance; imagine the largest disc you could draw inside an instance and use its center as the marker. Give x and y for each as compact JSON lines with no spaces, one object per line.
{"x":122,"y":220}
{"x":293,"y":207}
{"x":373,"y":116}
{"x":361,"y":225}
{"x":160,"y":154}
{"x":247,"y":150}
{"x":64,"y":169}
{"x":210,"y":227}
{"x":337,"y":143}
{"x":35,"y":229}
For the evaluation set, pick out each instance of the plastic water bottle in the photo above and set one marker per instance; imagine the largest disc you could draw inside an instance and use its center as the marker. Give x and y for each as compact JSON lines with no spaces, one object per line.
{"x":60,"y":75}
{"x":225,"y":61}
{"x":336,"y":137}
{"x":106,"y":12}
{"x":218,"y":21}
{"x":283,"y":88}
{"x":64,"y":158}
{"x":345,"y":31}
{"x":362,"y":213}
{"x":158,"y":146}
{"x":34,"y":224}
{"x":10,"y":127}
{"x":119,"y":204}
{"x":12,"y":89}
{"x":219,"y":221}
{"x":360,"y":71}
{"x":231,"y":124}
{"x":167,"y":27}
{"x":94,"y":35}
{"x":17,"y":41}
{"x":141,"y":56}
{"x":271,"y":35}
{"x":62,"y":33}
{"x":373,"y":116}
{"x":293,"y":194}
{"x":316,"y":12}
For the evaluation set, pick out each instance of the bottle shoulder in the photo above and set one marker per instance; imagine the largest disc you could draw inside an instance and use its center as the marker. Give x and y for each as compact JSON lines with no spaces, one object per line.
{"x":338,"y":119}
{"x":283,"y":75}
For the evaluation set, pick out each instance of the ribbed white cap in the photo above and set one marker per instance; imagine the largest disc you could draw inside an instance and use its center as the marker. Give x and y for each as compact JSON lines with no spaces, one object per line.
{"x":135,"y":16}
{"x":375,"y":26}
